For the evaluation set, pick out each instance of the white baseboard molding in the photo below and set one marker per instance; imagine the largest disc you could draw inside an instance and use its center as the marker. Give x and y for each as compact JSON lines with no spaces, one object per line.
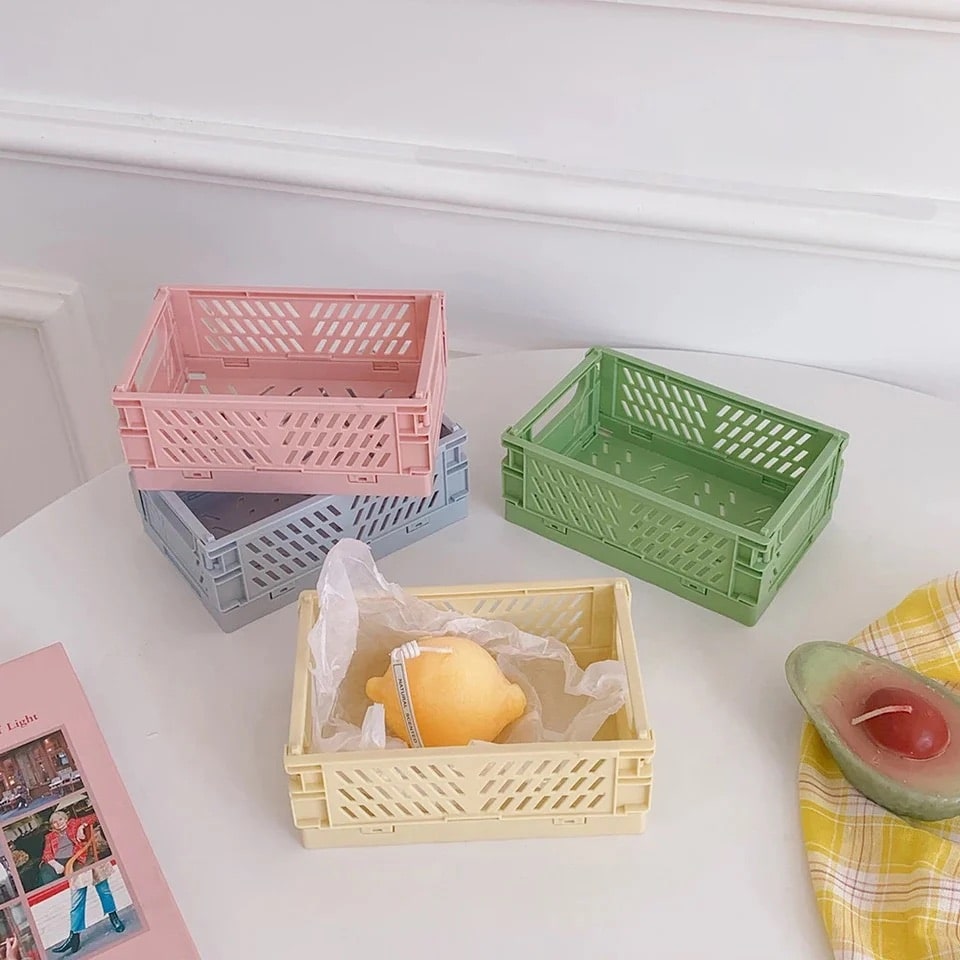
{"x":915,"y":230}
{"x":941,"y":16}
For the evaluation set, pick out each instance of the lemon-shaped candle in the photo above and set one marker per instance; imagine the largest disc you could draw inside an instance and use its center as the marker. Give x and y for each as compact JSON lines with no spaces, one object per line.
{"x":445,"y":692}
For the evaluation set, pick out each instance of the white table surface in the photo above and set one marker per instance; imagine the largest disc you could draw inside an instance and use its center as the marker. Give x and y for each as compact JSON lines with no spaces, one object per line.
{"x":197,"y":719}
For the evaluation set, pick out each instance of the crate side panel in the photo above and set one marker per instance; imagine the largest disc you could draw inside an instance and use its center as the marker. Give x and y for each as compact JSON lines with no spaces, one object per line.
{"x":160,"y":369}
{"x":227,"y":515}
{"x":453,"y":472}
{"x":744,"y":433}
{"x":553,"y":787}
{"x":191,"y":434}
{"x":695,"y":483}
{"x":566,"y":615}
{"x":807,"y":514}
{"x":301,"y":543}
{"x":571,"y":419}
{"x":397,"y":790}
{"x":807,"y":521}
{"x":687,"y":546}
{"x":620,"y":559}
{"x":226,"y":597}
{"x":282,"y":549}
{"x":189,"y":573}
{"x":299,"y":323}
{"x":176,"y":540}
{"x":297,"y":543}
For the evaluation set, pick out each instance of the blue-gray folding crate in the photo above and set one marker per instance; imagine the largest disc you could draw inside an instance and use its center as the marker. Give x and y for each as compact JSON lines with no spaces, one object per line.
{"x":248,"y":554}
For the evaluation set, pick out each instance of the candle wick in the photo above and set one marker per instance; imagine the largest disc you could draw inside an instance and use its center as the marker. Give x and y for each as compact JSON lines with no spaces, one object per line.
{"x":880,"y":711}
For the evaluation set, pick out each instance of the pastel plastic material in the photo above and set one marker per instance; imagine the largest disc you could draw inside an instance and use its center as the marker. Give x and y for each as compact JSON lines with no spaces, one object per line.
{"x":247,"y":555}
{"x":705,"y":493}
{"x":488,"y":792}
{"x":286,"y":391}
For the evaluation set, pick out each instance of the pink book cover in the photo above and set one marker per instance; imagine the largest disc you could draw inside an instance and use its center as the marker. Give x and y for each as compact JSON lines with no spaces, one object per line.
{"x":78,"y":877}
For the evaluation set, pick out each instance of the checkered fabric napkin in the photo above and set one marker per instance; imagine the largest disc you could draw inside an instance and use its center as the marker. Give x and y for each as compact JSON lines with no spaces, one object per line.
{"x":888,"y":888}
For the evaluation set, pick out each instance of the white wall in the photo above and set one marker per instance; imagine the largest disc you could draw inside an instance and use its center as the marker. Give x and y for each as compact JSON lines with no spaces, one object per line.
{"x":509,"y":283}
{"x":775,"y":179}
{"x":602,"y":85}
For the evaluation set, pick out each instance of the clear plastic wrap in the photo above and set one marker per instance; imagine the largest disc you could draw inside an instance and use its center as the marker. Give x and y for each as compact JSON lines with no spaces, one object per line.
{"x":363,"y":618}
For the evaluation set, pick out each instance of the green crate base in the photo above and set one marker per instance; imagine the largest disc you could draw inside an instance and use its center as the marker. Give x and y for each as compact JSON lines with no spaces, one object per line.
{"x":745,"y":613}
{"x":677,"y":480}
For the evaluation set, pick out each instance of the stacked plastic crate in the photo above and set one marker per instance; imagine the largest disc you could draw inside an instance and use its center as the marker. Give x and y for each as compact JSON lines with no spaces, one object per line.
{"x":262,"y":426}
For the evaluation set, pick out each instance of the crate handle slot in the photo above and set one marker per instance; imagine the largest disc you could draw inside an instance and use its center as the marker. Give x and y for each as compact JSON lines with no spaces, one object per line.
{"x":690,"y":585}
{"x":362,"y":477}
{"x":584,"y":375}
{"x":539,"y":427}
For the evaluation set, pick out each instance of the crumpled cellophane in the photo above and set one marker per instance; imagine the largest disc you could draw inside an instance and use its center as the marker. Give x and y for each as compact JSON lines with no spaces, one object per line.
{"x":363,"y":618}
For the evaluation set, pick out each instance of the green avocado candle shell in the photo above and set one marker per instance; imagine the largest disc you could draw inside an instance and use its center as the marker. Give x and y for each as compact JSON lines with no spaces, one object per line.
{"x":894,"y":733}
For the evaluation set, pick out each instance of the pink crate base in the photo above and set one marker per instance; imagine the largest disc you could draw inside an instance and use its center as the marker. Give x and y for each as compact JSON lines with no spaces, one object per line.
{"x":300,"y":391}
{"x":247,"y":481}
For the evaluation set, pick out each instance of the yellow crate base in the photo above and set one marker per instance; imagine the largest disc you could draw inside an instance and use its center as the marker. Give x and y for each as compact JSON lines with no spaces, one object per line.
{"x":489,"y":792}
{"x":465,"y":830}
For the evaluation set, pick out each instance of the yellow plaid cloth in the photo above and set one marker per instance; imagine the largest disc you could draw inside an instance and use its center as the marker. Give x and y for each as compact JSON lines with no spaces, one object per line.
{"x":888,"y":889}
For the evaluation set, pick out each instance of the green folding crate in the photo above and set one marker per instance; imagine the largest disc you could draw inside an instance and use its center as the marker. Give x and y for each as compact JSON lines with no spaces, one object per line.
{"x":705,"y":493}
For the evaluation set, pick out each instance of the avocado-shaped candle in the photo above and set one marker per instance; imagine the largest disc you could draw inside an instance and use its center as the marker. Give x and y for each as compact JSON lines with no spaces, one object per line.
{"x":894,"y":733}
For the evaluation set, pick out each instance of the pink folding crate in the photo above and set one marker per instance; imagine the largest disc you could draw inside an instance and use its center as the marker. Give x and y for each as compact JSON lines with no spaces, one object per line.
{"x":286,"y":391}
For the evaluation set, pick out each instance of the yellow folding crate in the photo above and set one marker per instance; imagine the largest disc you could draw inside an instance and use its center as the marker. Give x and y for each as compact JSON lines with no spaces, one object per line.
{"x":486,"y":792}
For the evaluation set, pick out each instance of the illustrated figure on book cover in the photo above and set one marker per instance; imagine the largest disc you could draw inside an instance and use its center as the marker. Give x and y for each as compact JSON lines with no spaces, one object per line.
{"x":69,"y":846}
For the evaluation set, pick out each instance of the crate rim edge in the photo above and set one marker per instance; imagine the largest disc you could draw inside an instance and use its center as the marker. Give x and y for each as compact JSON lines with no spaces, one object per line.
{"x":343,"y":292}
{"x":359,"y":404}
